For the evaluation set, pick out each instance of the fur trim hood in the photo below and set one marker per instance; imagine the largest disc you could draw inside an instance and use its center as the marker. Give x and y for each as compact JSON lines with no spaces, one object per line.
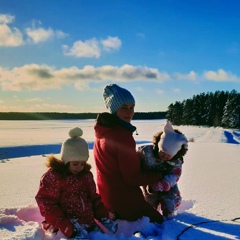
{"x":59,"y":167}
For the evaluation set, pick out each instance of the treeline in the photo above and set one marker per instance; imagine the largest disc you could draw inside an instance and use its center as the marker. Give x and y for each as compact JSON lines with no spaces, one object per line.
{"x":61,"y":116}
{"x":221,"y":108}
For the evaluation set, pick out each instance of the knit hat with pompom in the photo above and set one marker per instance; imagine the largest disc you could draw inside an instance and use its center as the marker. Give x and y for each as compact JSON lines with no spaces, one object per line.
{"x":115,"y":96}
{"x":74,"y":148}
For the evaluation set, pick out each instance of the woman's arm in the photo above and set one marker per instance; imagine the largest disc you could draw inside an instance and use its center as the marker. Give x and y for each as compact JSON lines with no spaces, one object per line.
{"x":130,"y":164}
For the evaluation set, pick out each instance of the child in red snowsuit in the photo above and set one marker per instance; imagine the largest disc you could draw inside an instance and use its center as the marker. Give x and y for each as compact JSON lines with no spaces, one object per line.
{"x":67,"y":196}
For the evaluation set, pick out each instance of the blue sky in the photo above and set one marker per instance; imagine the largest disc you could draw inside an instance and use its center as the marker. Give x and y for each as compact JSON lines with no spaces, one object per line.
{"x":57,"y":56}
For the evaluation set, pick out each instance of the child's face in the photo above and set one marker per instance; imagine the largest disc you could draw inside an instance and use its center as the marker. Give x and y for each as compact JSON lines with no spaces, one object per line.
{"x":126,"y":112}
{"x":76,"y":167}
{"x":164,"y":156}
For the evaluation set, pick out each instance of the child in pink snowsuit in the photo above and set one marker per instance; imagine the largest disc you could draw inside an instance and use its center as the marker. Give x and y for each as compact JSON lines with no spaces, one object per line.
{"x":67,"y":196}
{"x":165,"y":156}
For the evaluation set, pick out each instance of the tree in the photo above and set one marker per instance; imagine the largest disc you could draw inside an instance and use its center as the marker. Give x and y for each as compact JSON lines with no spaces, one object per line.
{"x":212,"y":109}
{"x":174,"y":113}
{"x":231,"y":115}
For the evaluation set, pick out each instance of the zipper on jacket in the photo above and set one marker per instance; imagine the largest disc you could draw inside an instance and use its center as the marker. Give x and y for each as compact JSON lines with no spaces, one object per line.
{"x":83,"y":205}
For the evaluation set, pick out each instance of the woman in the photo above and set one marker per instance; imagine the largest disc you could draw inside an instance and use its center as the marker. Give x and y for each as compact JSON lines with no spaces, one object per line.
{"x":119,"y":175}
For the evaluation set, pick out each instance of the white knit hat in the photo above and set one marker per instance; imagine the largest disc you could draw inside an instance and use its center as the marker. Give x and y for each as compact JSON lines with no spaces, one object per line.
{"x":75,"y":148}
{"x":115,"y":96}
{"x":171,"y":142}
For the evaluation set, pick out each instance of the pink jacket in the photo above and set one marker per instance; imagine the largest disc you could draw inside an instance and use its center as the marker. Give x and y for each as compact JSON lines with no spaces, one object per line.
{"x":119,"y":175}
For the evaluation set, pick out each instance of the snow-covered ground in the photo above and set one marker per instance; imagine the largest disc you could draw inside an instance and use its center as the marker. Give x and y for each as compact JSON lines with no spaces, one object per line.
{"x":210,"y":183}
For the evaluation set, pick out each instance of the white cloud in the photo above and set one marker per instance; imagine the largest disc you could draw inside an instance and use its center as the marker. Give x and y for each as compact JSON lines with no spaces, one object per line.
{"x":6,"y":18}
{"x":220,"y":76}
{"x":111,"y":43}
{"x":9,"y":37}
{"x":89,"y":48}
{"x":13,"y":37}
{"x":190,"y":76}
{"x":92,"y":48}
{"x":28,"y":77}
{"x":39,"y":35}
{"x":35,"y":77}
{"x":41,"y":77}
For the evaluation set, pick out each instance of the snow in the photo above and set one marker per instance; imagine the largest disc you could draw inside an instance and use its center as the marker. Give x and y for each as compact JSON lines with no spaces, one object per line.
{"x":210,"y":183}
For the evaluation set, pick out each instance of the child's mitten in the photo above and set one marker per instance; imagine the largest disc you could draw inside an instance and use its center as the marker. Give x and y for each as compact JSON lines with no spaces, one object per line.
{"x":157,"y":187}
{"x":56,"y":218}
{"x":65,"y":226}
{"x":161,"y":186}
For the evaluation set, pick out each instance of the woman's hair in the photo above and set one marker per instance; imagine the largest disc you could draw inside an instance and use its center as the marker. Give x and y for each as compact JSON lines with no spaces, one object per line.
{"x":58,"y":166}
{"x":107,"y":120}
{"x":156,"y":139}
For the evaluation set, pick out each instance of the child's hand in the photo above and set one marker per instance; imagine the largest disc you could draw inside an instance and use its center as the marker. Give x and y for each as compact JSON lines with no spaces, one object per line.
{"x":66,"y":227}
{"x":56,"y":218}
{"x":49,"y":228}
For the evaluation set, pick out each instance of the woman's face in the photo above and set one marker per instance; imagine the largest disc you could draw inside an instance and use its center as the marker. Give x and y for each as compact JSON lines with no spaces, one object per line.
{"x":76,"y":167}
{"x":126,"y":112}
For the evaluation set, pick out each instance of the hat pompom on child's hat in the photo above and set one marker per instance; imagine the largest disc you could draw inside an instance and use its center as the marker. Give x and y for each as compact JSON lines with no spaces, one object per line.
{"x":74,"y":148}
{"x":115,"y":96}
{"x":171,"y":142}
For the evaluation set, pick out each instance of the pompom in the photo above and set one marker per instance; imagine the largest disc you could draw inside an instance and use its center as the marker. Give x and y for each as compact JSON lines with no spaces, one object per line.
{"x":75,"y":132}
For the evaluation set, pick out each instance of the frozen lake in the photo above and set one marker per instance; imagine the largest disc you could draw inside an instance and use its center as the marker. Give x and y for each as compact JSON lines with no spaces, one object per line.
{"x":27,"y":138}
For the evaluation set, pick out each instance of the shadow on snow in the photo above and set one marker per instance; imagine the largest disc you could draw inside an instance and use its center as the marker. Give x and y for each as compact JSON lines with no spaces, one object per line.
{"x":34,"y":150}
{"x":191,"y":226}
{"x":231,"y":137}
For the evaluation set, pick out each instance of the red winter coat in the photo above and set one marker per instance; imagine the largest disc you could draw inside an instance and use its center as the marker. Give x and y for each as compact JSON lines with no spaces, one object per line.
{"x":74,"y":195}
{"x":119,"y":176}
